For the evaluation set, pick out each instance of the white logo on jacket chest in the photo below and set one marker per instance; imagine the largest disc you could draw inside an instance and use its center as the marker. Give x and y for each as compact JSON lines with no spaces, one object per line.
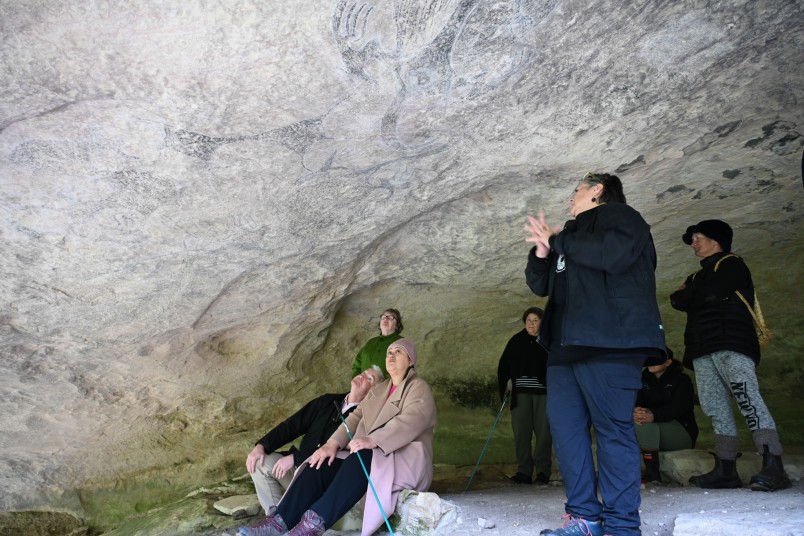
{"x":561,"y":265}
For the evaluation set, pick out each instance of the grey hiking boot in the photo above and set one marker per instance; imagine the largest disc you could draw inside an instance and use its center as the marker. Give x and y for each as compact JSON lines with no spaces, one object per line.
{"x":311,"y":524}
{"x":271,"y":526}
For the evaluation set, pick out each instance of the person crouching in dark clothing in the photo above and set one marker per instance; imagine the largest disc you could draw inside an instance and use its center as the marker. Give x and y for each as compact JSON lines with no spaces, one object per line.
{"x":664,"y":414}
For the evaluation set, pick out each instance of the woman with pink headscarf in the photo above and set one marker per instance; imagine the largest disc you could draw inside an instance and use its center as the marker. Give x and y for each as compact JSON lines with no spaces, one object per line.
{"x":391,"y":430}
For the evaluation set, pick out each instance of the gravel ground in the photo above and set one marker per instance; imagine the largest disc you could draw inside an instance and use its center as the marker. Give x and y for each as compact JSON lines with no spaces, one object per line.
{"x":498,"y":508}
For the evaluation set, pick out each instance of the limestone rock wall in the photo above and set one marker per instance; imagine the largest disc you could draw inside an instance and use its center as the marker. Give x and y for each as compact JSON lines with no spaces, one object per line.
{"x":204,"y":206}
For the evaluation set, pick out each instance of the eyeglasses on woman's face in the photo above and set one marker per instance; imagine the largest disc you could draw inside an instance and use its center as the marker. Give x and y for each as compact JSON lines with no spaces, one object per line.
{"x":388,"y":317}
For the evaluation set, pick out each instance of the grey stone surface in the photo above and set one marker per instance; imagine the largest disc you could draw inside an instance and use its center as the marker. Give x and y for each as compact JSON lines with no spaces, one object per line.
{"x":496,"y":506}
{"x":204,"y":206}
{"x":424,"y":513}
{"x":41,"y":524}
{"x":666,"y":511}
{"x":238,"y":506}
{"x":740,"y":522}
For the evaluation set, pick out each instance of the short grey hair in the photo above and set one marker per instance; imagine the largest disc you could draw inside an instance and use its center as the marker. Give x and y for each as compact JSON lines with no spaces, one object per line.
{"x":379,"y":371}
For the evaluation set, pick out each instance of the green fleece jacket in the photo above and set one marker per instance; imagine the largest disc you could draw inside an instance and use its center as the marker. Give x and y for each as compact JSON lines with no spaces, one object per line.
{"x":373,"y":353}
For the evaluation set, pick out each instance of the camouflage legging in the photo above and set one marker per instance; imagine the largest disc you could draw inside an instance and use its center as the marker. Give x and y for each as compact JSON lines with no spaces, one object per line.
{"x":721,"y":375}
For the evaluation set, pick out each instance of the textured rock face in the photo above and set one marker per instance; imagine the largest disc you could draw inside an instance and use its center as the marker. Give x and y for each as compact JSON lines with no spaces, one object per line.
{"x":205,"y":206}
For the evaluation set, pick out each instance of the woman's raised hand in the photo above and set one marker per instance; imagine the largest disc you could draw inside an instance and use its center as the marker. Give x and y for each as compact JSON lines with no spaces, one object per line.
{"x":539,"y":234}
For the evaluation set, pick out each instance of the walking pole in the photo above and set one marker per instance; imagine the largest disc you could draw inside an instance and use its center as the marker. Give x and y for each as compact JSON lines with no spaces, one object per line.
{"x":493,"y":426}
{"x":365,"y":472}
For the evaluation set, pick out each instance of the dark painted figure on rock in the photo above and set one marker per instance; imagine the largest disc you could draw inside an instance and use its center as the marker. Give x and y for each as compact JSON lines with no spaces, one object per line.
{"x":664,"y":414}
{"x":524,"y":364}
{"x":373,"y":352}
{"x":721,"y":345}
{"x":392,"y":431}
{"x":272,"y":469}
{"x":600,"y":323}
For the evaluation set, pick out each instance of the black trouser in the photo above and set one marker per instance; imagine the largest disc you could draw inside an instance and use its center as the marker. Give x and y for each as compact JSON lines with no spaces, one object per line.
{"x":330,"y":491}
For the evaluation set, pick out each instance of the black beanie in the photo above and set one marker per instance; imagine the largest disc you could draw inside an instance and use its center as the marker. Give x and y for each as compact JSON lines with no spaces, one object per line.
{"x":717,"y":230}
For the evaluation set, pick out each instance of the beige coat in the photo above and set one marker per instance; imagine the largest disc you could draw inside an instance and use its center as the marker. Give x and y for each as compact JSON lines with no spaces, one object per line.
{"x":402,"y":426}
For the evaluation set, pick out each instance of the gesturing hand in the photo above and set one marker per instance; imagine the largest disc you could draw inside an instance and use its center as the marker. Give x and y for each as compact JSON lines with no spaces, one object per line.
{"x":539,"y":234}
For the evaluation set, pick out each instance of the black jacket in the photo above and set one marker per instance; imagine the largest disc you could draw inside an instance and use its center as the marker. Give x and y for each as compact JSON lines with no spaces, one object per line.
{"x":611,"y":285}
{"x":670,"y":397}
{"x":523,"y":356}
{"x":716,"y":318}
{"x":317,"y":421}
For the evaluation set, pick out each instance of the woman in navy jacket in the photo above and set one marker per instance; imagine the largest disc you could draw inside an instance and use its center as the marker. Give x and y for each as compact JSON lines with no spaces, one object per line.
{"x":600,"y":324}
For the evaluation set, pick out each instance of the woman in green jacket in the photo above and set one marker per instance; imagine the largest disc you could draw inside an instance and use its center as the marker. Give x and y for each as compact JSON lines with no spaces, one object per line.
{"x":373,"y":352}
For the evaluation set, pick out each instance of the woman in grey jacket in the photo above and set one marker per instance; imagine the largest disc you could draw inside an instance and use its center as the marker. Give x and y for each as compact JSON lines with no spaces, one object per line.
{"x":600,"y":324}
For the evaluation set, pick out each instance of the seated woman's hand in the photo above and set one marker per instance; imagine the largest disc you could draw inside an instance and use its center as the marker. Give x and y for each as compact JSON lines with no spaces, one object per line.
{"x":255,"y":458}
{"x":325,"y":453}
{"x":360,"y":443}
{"x":642,"y":415}
{"x":282,"y":466}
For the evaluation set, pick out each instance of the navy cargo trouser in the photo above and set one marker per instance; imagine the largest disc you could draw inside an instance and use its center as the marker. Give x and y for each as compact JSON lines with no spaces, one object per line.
{"x":599,"y":392}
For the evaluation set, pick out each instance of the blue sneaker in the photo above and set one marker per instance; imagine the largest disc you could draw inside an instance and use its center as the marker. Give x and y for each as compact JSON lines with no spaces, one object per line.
{"x":576,"y":526}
